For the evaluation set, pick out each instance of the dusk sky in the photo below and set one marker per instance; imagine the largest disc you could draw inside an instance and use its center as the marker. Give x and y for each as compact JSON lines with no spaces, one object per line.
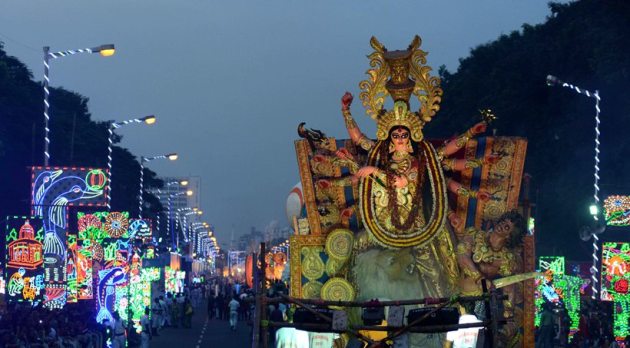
{"x":230,"y":80}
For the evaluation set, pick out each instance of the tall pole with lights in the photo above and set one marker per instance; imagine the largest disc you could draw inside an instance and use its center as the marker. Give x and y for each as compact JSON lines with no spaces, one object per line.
{"x":143,"y":160}
{"x":113,"y":125}
{"x":594,"y":209}
{"x":174,"y":238}
{"x":104,"y":50}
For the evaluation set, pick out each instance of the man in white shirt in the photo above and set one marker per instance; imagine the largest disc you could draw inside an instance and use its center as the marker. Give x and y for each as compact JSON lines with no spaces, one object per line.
{"x":233,"y":305}
{"x":465,"y":338}
{"x":146,"y":329}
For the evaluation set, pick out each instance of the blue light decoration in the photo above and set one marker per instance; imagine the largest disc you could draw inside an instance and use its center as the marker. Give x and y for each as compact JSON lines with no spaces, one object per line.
{"x":106,"y":292}
{"x":141,"y":229}
{"x":54,"y":189}
{"x":24,"y":259}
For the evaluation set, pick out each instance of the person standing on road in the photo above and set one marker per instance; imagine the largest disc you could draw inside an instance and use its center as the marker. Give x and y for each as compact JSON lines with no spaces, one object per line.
{"x":233,"y":305}
{"x":220,"y":304}
{"x":145,"y":336}
{"x":119,"y":340}
{"x":211,"y":306}
{"x":188,"y":313}
{"x":157,"y":316}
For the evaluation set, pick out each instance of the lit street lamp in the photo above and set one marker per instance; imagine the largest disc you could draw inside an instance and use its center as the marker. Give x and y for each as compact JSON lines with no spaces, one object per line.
{"x":143,"y":160}
{"x":113,"y":125}
{"x":175,"y":239}
{"x":104,"y":50}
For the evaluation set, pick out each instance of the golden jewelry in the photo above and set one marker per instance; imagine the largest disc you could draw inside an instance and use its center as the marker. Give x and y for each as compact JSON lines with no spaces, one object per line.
{"x":448,"y":164}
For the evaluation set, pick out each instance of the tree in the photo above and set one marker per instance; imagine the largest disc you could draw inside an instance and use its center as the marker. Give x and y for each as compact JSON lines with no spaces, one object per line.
{"x":584,"y":42}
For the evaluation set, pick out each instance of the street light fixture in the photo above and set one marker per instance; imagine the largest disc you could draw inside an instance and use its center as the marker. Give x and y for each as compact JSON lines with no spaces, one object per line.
{"x":188,"y":193}
{"x":143,"y":160}
{"x":113,"y":125}
{"x":104,"y":50}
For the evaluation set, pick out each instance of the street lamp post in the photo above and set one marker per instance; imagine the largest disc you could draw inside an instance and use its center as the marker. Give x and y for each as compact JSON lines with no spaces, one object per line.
{"x":159,"y":193}
{"x":104,"y":50}
{"x":113,"y":125}
{"x":143,"y":160}
{"x":552,"y":81}
{"x":175,"y":239}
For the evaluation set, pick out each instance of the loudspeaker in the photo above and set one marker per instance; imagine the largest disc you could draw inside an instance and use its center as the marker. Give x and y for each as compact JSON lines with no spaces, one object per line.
{"x":373,"y":315}
{"x":303,"y":316}
{"x":443,"y":316}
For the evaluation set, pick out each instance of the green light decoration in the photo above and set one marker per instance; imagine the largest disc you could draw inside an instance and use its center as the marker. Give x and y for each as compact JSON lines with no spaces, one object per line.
{"x":140,"y":293}
{"x":173,"y":280}
{"x":129,"y":294}
{"x":559,"y":289}
{"x":615,"y":280}
{"x":617,"y":210}
{"x":554,"y":264}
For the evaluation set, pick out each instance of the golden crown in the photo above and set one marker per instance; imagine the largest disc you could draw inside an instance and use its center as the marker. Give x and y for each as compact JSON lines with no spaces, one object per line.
{"x":400,"y":74}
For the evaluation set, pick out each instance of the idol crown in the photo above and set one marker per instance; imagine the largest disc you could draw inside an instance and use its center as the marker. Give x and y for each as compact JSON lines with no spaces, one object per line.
{"x":400,"y":74}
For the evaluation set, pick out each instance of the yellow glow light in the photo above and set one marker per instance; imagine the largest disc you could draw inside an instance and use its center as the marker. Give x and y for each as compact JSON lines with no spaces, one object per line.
{"x":172,"y":156}
{"x":184,"y":182}
{"x":189,"y":193}
{"x":150,"y":119}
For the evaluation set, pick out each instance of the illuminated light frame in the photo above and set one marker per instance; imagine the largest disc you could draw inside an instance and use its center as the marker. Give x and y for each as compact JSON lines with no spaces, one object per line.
{"x":140,"y":293}
{"x":93,"y":231}
{"x":173,"y":280}
{"x":53,"y":190}
{"x":556,"y":264}
{"x":2,"y":282}
{"x":141,"y":225}
{"x":617,"y":210}
{"x":24,"y":277}
{"x":615,"y":277}
{"x":108,"y":279}
{"x":554,"y":288}
{"x":72,"y":294}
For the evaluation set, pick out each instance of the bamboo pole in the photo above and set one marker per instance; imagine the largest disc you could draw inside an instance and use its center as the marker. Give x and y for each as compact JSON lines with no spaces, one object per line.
{"x":256,"y":324}
{"x":263,"y":298}
{"x":424,"y":301}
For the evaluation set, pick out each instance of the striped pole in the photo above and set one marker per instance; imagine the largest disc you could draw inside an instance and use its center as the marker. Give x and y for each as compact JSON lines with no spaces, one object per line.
{"x":47,"y":56}
{"x":113,"y":125}
{"x":143,"y":160}
{"x":46,"y":106}
{"x":141,"y":199}
{"x":552,"y":80}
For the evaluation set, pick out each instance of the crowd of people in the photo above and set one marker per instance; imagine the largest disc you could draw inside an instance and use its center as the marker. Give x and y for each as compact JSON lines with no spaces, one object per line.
{"x":595,"y":327}
{"x":74,"y":326}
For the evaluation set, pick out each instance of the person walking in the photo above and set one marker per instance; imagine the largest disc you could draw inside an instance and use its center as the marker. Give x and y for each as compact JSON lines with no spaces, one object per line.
{"x":211,"y":306}
{"x":145,"y":336}
{"x":119,"y":340}
{"x":157,"y":316}
{"x":175,"y":313}
{"x":546,"y":333}
{"x":220,"y":304}
{"x":188,"y":313}
{"x":233,"y":305}
{"x":167,"y":310}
